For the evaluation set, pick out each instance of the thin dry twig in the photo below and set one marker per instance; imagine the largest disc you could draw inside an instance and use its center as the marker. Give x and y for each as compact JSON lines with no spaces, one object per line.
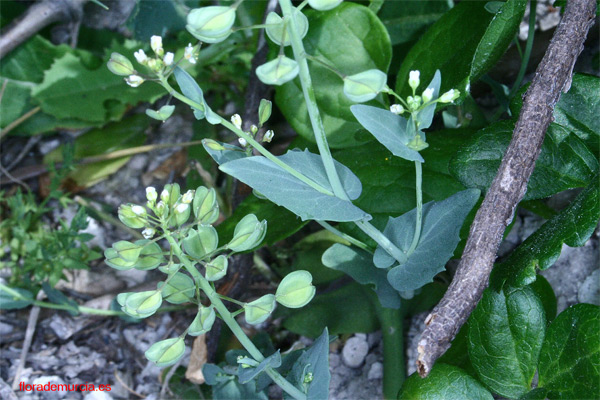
{"x":31,"y":324}
{"x":553,"y":75}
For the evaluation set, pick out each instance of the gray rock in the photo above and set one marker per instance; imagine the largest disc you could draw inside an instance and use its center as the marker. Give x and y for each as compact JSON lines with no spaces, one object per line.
{"x":5,"y":329}
{"x":376,"y":371}
{"x":589,"y":291}
{"x":354,"y":352}
{"x":97,"y":395}
{"x":51,"y":395}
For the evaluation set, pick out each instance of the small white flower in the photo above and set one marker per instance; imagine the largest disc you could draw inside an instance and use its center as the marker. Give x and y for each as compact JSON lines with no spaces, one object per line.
{"x":181,"y":208}
{"x":160,"y":208}
{"x":413,"y":79}
{"x":449,"y":96}
{"x":397,"y":109}
{"x":427,"y":95}
{"x":141,"y":56}
{"x":188,"y":197}
{"x":236,"y":120}
{"x":148,"y":233}
{"x":151,"y":194}
{"x":253,"y":129}
{"x":138,"y":210}
{"x":134,"y":80}
{"x":243,"y":142}
{"x":168,"y":60}
{"x":189,"y":54}
{"x":268,"y":136}
{"x":156,"y":44}
{"x":164,"y":196}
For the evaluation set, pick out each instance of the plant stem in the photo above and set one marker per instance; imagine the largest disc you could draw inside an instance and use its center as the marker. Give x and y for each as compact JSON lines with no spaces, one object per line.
{"x":528,"y":47}
{"x":226,"y":316}
{"x":248,"y":139}
{"x":349,"y":238}
{"x":418,"y":222}
{"x":311,"y":102}
{"x":394,"y":371}
{"x":382,"y":240}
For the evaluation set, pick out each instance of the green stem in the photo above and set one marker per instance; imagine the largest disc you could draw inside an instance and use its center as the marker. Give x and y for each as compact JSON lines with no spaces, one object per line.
{"x":382,"y":240}
{"x":528,"y":47}
{"x":394,"y":370}
{"x":344,"y":236}
{"x":248,"y":139}
{"x":311,"y":102}
{"x":226,"y":316}
{"x":418,"y":223}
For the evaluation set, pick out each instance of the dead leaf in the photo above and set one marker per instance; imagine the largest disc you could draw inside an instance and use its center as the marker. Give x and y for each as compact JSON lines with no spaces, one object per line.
{"x":197,"y":360}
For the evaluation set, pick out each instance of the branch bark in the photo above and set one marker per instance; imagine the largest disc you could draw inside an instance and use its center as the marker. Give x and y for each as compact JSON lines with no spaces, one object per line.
{"x":552,"y":76}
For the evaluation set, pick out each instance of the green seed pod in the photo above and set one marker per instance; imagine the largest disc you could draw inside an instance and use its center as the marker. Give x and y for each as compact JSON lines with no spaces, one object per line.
{"x":365,"y":85}
{"x":166,"y":352}
{"x":203,"y":322}
{"x":150,"y":256}
{"x":277,"y":27}
{"x":170,"y":268}
{"x":162,"y":114}
{"x":143,"y":304}
{"x":200,"y":242}
{"x":181,"y":213}
{"x":264,"y":111}
{"x":278,"y":71}
{"x":260,"y":309}
{"x":324,"y":5}
{"x":213,"y":145}
{"x":130,"y":218}
{"x":114,"y":260}
{"x":216,"y":269}
{"x":248,"y":233}
{"x":118,"y":64}
{"x":127,"y":250}
{"x":295,"y":290}
{"x":206,"y":208}
{"x":178,"y":290}
{"x":211,"y":24}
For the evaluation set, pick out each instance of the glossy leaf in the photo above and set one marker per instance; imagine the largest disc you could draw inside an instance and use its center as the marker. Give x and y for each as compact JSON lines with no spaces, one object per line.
{"x":441,"y":225}
{"x":506,"y":332}
{"x":351,"y":39}
{"x":570,"y":355}
{"x":572,"y":226}
{"x":314,"y":361}
{"x":10,"y":301}
{"x":359,"y":265}
{"x":561,"y":165}
{"x":406,"y":21}
{"x":284,"y":189}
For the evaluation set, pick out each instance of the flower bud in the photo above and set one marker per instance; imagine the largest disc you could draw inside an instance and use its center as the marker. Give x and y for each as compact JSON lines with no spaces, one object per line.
{"x":166,"y":352}
{"x":162,"y":114}
{"x":148,"y":233}
{"x":131,"y":219}
{"x":134,"y":80}
{"x":365,"y":85}
{"x":242,"y":142}
{"x":188,"y":197}
{"x":324,"y":5}
{"x":211,"y":24}
{"x":414,"y":102}
{"x":236,"y":120}
{"x":278,"y":71}
{"x":253,"y":129}
{"x":118,"y":64}
{"x":141,"y":57}
{"x":259,"y":310}
{"x":189,"y":54}
{"x":138,"y":210}
{"x":182,"y":213}
{"x":268,"y":136}
{"x":295,"y":290}
{"x":413,"y":79}
{"x":161,"y":209}
{"x":168,"y":59}
{"x":164,"y":195}
{"x":450,"y":96}
{"x":151,"y":194}
{"x":156,"y":45}
{"x":203,"y":322}
{"x":264,"y":111}
{"x":427,"y":95}
{"x":397,"y":109}
{"x":155,"y":64}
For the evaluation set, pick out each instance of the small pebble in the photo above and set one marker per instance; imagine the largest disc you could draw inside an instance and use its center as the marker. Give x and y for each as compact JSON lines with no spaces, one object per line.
{"x":97,"y":395}
{"x":376,"y":371}
{"x":354,"y":352}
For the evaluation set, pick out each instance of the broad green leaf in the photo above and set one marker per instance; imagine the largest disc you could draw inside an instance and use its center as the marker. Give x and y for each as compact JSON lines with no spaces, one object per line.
{"x":179,"y":289}
{"x":223,"y":152}
{"x":248,"y":374}
{"x":572,"y":226}
{"x":578,"y":110}
{"x":506,"y":332}
{"x":71,"y":90}
{"x":351,"y":39}
{"x":359,"y":265}
{"x":336,"y":310}
{"x":57,"y":297}
{"x":15,"y":298}
{"x":535,"y":394}
{"x":406,"y":21}
{"x":310,"y":372}
{"x":156,"y":18}
{"x":545,"y":293}
{"x":570,"y":356}
{"x":441,"y":225}
{"x":458,"y":353}
{"x":445,"y":382}
{"x":389,"y":129}
{"x":115,"y":136}
{"x":463,"y":44}
{"x":561,"y":165}
{"x":288,"y":191}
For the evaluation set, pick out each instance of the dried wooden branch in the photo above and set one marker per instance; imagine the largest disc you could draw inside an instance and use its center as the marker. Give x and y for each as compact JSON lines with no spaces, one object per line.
{"x":552,"y":76}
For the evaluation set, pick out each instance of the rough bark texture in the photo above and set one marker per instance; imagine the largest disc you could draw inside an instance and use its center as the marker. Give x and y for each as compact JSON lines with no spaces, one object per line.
{"x":552,"y":76}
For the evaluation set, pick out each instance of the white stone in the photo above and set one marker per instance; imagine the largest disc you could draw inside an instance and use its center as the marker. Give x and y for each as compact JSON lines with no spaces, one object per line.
{"x":376,"y":371}
{"x":354,"y":352}
{"x":97,"y":395}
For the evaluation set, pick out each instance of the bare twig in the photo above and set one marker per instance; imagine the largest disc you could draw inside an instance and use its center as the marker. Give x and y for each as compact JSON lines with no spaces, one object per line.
{"x":553,"y":75}
{"x":31,"y":323}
